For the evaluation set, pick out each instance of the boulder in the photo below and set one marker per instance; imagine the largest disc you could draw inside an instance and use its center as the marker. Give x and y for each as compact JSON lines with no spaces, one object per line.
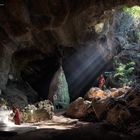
{"x":135,"y":103}
{"x":41,"y":111}
{"x":79,"y":108}
{"x":134,"y":108}
{"x":119,"y":92}
{"x":95,"y":94}
{"x":118,"y":115}
{"x":101,"y":107}
{"x":132,"y":95}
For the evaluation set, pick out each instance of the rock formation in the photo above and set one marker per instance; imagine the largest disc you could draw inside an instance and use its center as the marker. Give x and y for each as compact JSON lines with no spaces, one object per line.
{"x":58,"y":92}
{"x":95,"y":94}
{"x":41,"y":111}
{"x":120,"y":110}
{"x":79,"y":108}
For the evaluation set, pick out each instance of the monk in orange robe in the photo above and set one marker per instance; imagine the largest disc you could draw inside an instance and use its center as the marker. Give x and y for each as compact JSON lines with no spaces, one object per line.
{"x":17,"y":116}
{"x":101,"y":81}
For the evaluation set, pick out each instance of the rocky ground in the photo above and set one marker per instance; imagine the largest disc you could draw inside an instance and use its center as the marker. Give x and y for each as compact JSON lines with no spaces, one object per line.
{"x":64,"y":128}
{"x":99,"y":115}
{"x":119,"y":108}
{"x":61,"y":128}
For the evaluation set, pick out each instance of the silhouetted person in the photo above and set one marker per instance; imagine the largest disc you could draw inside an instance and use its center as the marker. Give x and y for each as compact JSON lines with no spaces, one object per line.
{"x":109,"y":82}
{"x":101,"y":81}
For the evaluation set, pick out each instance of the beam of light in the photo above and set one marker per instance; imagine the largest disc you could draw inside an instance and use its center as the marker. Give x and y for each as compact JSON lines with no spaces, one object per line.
{"x":80,"y":60}
{"x":90,"y":77}
{"x":4,"y":118}
{"x":7,"y":125}
{"x":89,"y":74}
{"x":85,"y":65}
{"x":89,"y":67}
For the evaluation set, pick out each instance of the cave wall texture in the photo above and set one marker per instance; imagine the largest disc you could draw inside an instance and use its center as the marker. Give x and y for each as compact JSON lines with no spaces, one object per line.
{"x":34,"y":34}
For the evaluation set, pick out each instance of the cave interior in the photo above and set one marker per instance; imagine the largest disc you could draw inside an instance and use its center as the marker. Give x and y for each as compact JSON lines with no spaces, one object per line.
{"x":55,"y":51}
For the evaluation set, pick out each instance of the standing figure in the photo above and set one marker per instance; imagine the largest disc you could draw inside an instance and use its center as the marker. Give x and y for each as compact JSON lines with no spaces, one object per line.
{"x":109,"y":82}
{"x":101,"y":81}
{"x":17,"y":116}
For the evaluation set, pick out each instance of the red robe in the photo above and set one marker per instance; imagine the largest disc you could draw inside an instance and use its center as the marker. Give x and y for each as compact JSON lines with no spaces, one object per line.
{"x":17,"y":117}
{"x":101,"y":82}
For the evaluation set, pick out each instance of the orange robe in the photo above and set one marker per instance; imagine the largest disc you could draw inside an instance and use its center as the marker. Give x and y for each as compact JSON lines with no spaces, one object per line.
{"x":17,"y":117}
{"x":101,"y":82}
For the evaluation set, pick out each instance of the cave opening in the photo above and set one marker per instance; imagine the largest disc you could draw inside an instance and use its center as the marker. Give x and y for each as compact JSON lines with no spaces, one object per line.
{"x":81,"y":66}
{"x":39,"y":74}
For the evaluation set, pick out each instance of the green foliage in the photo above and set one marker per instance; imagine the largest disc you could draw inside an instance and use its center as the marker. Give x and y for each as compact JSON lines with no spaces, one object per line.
{"x":133,"y":11}
{"x":123,"y":72}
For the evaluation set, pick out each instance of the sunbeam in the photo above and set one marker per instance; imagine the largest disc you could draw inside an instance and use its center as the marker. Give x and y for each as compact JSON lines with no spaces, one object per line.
{"x":84,"y":67}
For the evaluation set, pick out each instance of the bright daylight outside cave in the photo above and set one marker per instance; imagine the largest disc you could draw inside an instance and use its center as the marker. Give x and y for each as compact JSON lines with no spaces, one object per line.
{"x":69,"y":69}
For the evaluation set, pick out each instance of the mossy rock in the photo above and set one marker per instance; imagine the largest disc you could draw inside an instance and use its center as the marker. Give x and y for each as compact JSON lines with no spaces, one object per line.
{"x":41,"y":111}
{"x":132,"y":11}
{"x":37,"y":116}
